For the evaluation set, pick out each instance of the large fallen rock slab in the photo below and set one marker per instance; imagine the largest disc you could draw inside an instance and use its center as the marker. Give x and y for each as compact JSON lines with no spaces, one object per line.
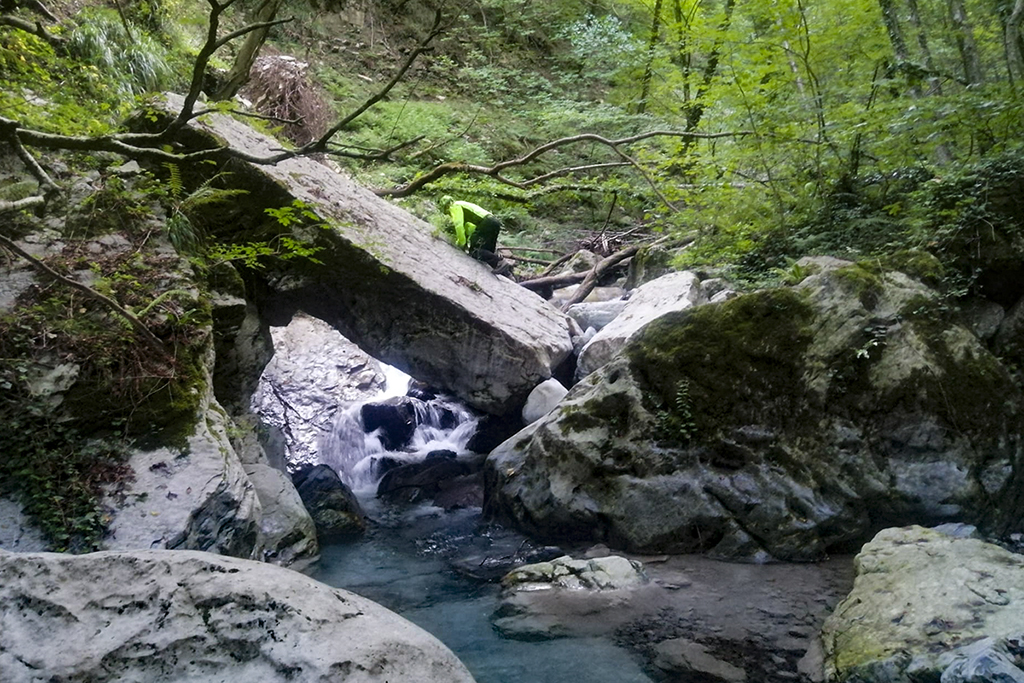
{"x":160,"y":616}
{"x":781,"y":424}
{"x":386,"y":282}
{"x":925,"y":605}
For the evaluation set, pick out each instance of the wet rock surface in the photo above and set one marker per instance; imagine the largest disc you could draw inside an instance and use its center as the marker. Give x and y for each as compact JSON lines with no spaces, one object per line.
{"x":332,"y":505}
{"x":695,"y":618}
{"x":314,"y":373}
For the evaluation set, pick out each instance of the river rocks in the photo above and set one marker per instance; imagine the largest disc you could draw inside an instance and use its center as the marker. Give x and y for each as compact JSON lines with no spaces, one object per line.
{"x":519,"y":615}
{"x":160,"y":616}
{"x":314,"y":372}
{"x":596,"y":314}
{"x":459,"y":327}
{"x":394,"y":417}
{"x":332,"y":505}
{"x":602,"y":573}
{"x":543,"y":399}
{"x":673,"y":292}
{"x":778,"y":424}
{"x":422,"y":480}
{"x":926,"y":605}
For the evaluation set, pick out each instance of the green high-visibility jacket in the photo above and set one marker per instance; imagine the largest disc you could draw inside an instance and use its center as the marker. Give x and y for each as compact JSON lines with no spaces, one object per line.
{"x":466,"y":216}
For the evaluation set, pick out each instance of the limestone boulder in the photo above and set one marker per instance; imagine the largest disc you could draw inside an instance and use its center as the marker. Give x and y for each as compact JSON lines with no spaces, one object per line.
{"x":610,"y":572}
{"x":386,"y":281}
{"x":926,"y":606}
{"x":596,"y":314}
{"x":17,"y":531}
{"x":543,"y":399}
{"x":780,"y":424}
{"x":520,"y":616}
{"x":672,"y":292}
{"x":160,"y":616}
{"x":287,"y":531}
{"x":189,"y":495}
{"x":314,"y":373}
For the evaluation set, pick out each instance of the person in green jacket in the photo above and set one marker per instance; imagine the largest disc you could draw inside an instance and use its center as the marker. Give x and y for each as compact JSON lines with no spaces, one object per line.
{"x":476,"y":232}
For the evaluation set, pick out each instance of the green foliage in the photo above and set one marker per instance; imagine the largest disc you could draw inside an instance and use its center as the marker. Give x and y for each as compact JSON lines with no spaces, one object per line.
{"x":132,"y":64}
{"x":283,"y":247}
{"x":57,"y":473}
{"x":675,"y":423}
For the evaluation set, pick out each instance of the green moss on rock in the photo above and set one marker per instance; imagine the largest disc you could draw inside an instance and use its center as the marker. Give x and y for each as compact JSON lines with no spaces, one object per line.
{"x":741,"y":360}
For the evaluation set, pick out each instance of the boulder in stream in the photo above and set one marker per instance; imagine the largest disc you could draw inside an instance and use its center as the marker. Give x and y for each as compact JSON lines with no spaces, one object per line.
{"x":926,"y":606}
{"x":160,"y":616}
{"x":780,"y":424}
{"x":332,"y":505}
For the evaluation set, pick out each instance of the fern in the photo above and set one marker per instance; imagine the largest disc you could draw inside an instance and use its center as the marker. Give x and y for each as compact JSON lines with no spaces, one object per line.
{"x":677,"y":422}
{"x":175,"y":186}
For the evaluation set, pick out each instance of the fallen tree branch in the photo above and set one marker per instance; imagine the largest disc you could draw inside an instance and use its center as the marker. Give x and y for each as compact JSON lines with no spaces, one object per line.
{"x":19,"y":204}
{"x":553,"y":281}
{"x":140,"y":327}
{"x":591,"y":278}
{"x":36,"y":29}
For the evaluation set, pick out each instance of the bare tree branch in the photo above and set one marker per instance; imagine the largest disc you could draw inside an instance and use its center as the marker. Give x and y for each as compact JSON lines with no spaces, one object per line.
{"x":19,"y":204}
{"x":224,"y":40}
{"x":594,"y":275}
{"x":321,"y":144}
{"x":495,"y":171}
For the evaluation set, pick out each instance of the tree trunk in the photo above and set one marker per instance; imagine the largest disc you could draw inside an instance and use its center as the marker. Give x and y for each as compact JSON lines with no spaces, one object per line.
{"x":1012,"y":43}
{"x":965,"y":42}
{"x":934,"y":84}
{"x":652,"y":47}
{"x":684,"y":57}
{"x":899,"y":45}
{"x":696,"y":110}
{"x":247,"y":52}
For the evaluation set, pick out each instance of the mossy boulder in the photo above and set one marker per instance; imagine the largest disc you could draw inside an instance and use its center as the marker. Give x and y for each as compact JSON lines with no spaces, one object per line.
{"x":784,"y":423}
{"x":924,"y":605}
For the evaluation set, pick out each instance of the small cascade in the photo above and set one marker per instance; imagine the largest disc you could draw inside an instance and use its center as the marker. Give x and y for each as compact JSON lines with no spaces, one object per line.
{"x":402,"y":429}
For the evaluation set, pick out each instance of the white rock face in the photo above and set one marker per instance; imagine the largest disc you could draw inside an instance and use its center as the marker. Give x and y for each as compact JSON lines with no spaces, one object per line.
{"x":17,"y":533}
{"x":160,"y":616}
{"x":315,"y":371}
{"x":600,"y":573}
{"x":192,"y":498}
{"x":673,"y":292}
{"x":543,"y":399}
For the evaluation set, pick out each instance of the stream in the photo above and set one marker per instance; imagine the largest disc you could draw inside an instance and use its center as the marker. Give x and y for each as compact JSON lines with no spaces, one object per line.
{"x":405,"y":561}
{"x":439,"y":569}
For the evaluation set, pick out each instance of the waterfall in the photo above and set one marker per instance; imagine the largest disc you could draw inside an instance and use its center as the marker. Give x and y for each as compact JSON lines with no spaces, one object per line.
{"x":360,"y":457}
